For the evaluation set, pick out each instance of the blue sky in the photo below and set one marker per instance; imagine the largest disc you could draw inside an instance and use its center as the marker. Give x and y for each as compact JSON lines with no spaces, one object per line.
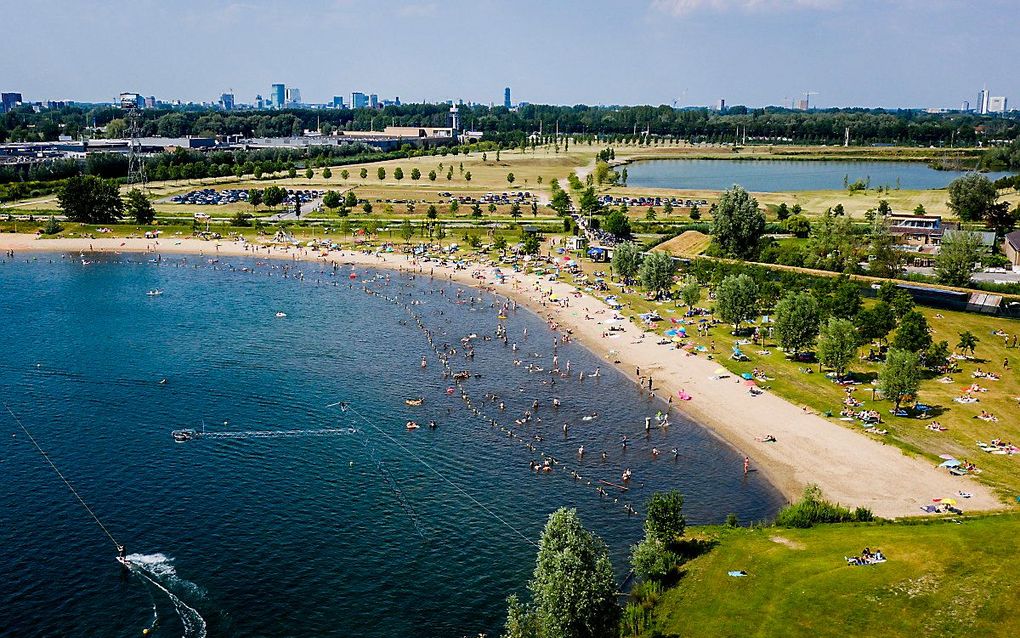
{"x":852,"y":52}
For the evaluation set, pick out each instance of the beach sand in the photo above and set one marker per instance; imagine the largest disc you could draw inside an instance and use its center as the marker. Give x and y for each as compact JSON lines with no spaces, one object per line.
{"x":849,"y":467}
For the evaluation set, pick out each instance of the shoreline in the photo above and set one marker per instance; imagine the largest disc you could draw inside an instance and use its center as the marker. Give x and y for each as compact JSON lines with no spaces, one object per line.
{"x":850,"y":468}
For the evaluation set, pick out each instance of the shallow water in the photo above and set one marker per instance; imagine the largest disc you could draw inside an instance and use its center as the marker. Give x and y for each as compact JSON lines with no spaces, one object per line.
{"x":767,"y":176}
{"x":335,"y":535}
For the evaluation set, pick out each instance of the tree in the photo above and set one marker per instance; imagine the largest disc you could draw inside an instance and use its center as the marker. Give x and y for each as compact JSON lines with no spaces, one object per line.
{"x":838,"y":341}
{"x":432,"y":212}
{"x":241,"y":219}
{"x":273,"y":196}
{"x":327,"y":173}
{"x":560,"y":202}
{"x":254,"y":198}
{"x":90,"y":200}
{"x":898,"y":299}
{"x":138,"y":207}
{"x":656,"y":273}
{"x":846,"y":300}
{"x":364,"y":173}
{"x":344,"y":174}
{"x":381,"y":173}
{"x":432,"y":175}
{"x":913,"y":334}
{"x":652,"y":560}
{"x":589,"y":202}
{"x":900,"y":377}
{"x":415,"y":174}
{"x":350,"y":199}
{"x":499,"y":243}
{"x":52,"y":226}
{"x":532,"y":244}
{"x":573,"y":586}
{"x":398,"y":173}
{"x":510,"y":178}
{"x":886,"y":259}
{"x":467,"y":175}
{"x":454,"y":206}
{"x":738,"y":225}
{"x":1001,"y":219}
{"x":292,"y":172}
{"x":736,"y":299}
{"x":309,"y":173}
{"x":406,"y":231}
{"x":797,"y":225}
{"x":515,"y":210}
{"x":626,"y":260}
{"x":782,"y":211}
{"x":664,"y":520}
{"x":957,"y":258}
{"x":971,"y":196}
{"x":520,"y":620}
{"x":876,"y":322}
{"x":367,"y":207}
{"x":667,"y":208}
{"x":691,"y":294}
{"x":332,"y":199}
{"x":617,"y":224}
{"x":797,"y":320}
{"x":968,"y":342}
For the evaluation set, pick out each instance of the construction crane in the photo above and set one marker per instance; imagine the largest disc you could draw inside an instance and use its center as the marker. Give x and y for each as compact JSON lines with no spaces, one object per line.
{"x":807,"y":98}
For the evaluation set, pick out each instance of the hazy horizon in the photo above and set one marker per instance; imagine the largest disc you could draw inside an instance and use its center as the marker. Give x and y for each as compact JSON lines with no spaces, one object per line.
{"x":895,"y":54}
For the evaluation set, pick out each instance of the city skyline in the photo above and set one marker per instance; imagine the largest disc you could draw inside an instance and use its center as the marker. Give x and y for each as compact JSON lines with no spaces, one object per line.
{"x":686,"y":52}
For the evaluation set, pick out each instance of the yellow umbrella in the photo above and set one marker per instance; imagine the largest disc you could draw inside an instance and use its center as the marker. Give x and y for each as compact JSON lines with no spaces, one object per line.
{"x":949,"y":501}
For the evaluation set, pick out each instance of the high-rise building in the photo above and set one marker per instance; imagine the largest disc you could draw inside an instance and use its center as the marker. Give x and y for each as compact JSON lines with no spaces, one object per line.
{"x":278,"y":96}
{"x":338,"y":102}
{"x":260,"y":103}
{"x":965,"y":106}
{"x":506,"y":98}
{"x":997,"y":104}
{"x":982,"y":101}
{"x":227,"y":101}
{"x":359,"y":100}
{"x":721,"y":104}
{"x":9,"y":100}
{"x":803,"y":105}
{"x":293,"y":96}
{"x":373,"y":101}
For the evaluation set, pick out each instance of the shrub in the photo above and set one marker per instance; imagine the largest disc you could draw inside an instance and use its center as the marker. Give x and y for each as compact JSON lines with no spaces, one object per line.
{"x":812,"y":509}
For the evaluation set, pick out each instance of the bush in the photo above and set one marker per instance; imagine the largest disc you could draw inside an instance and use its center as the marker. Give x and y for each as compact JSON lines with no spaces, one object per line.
{"x":812,"y":509}
{"x":52,"y":227}
{"x":651,"y":560}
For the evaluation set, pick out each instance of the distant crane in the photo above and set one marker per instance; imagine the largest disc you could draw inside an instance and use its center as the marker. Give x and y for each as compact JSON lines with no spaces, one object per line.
{"x":807,"y":98}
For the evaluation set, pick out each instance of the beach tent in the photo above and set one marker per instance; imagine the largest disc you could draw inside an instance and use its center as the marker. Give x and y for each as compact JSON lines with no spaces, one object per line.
{"x":950,"y":463}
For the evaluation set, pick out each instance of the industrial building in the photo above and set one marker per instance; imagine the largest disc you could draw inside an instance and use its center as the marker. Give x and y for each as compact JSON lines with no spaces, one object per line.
{"x":9,"y":100}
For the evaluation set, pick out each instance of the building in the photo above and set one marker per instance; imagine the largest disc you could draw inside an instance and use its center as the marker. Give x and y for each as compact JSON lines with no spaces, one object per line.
{"x":803,"y":105}
{"x":9,"y":100}
{"x":359,"y":100}
{"x":454,"y":118}
{"x":506,"y":98}
{"x":278,"y":96}
{"x":151,"y":102}
{"x":227,"y":101}
{"x":720,"y":105}
{"x":918,"y":231}
{"x":965,"y":106}
{"x":293,"y":96}
{"x":373,"y":101}
{"x":131,"y":101}
{"x":997,"y":104}
{"x":982,"y":101}
{"x":1011,"y":248}
{"x":338,"y":102}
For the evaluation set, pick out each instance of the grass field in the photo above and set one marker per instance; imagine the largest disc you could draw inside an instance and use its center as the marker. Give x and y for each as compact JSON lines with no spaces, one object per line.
{"x":941,"y":578}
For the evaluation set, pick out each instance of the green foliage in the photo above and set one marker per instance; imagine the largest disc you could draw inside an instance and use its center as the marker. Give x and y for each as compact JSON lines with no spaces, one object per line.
{"x":626,"y":260}
{"x":560,"y":202}
{"x":350,"y":199}
{"x":971,"y":196}
{"x":380,"y":173}
{"x":913,"y":333}
{"x":90,"y":200}
{"x":812,"y":509}
{"x":652,"y":560}
{"x":398,"y":173}
{"x":363,"y":173}
{"x":499,"y":243}
{"x":968,"y":342}
{"x":738,"y":224}
{"x":327,"y":173}
{"x":52,"y":226}
{"x":138,"y":207}
{"x":957,"y":258}
{"x":573,"y":586}
{"x":241,"y":219}
{"x":309,"y":173}
{"x":782,"y":211}
{"x":415,"y":174}
{"x":664,"y":517}
{"x":838,"y":342}
{"x":510,"y":178}
{"x":797,"y":320}
{"x":656,"y":273}
{"x":406,"y":231}
{"x":900,"y":377}
{"x":617,"y":224}
{"x":736,"y":299}
{"x":332,"y":199}
{"x":432,"y":212}
{"x":690,"y":293}
{"x":531,"y":244}
{"x":273,"y":196}
{"x":876,"y":322}
{"x":521,"y":621}
{"x":254,"y":197}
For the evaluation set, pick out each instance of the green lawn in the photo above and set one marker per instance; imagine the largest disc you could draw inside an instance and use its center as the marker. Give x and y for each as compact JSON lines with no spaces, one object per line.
{"x":941,"y":578}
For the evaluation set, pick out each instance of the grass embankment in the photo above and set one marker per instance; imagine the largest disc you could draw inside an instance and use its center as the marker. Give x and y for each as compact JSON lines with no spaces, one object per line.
{"x":941,"y":578}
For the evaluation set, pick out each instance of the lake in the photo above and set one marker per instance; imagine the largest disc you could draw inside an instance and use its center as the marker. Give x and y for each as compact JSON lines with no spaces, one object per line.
{"x":372,"y":531}
{"x":784,"y":175}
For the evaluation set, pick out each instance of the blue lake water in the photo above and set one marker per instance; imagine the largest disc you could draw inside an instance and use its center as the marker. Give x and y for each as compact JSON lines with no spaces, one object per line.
{"x":335,"y":535}
{"x":767,"y":176}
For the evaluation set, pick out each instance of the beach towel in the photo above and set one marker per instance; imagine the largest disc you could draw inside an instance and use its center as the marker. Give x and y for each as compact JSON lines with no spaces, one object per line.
{"x":737,"y":574}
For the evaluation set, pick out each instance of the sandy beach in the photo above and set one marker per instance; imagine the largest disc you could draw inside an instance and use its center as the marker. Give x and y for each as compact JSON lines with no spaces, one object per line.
{"x":849,"y":467}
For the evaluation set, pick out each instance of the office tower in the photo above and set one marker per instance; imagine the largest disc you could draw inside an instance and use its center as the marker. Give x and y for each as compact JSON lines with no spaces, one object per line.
{"x":278,"y":96}
{"x":373,"y":101}
{"x":227,"y":101}
{"x":293,"y":96}
{"x":338,"y":102}
{"x":506,"y":98}
{"x":359,"y":100}
{"x":9,"y":100}
{"x":997,"y":104}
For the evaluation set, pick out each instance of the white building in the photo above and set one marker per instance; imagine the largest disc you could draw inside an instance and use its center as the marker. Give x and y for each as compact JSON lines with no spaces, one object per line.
{"x":997,"y":104}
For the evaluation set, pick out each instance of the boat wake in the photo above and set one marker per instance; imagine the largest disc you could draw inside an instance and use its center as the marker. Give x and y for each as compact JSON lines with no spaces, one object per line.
{"x":158,"y":570}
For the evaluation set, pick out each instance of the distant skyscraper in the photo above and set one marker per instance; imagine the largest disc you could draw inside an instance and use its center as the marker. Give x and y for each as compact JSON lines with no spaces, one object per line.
{"x":965,"y":106}
{"x":227,"y":101}
{"x":506,"y":98}
{"x":997,"y":104}
{"x":803,"y":105}
{"x":338,"y":102}
{"x":721,"y":104}
{"x":359,"y":100}
{"x":982,"y":101}
{"x":9,"y":100}
{"x":278,"y":96}
{"x":293,"y":96}
{"x":373,"y":101}
{"x":150,"y":102}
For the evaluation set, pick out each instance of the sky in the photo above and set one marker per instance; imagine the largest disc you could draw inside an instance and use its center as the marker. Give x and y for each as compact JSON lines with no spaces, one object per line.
{"x":873,"y":53}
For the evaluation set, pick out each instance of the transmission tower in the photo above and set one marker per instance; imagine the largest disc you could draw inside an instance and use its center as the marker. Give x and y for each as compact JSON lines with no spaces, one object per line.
{"x":136,"y":164}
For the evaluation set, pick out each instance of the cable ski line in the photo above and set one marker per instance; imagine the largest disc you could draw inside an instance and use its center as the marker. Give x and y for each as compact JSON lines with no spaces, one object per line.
{"x":411,"y":514}
{"x":265,"y":434}
{"x":62,"y":477}
{"x":442,"y":476}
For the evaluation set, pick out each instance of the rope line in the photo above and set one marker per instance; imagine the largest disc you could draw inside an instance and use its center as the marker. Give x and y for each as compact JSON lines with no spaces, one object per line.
{"x":62,"y":477}
{"x":443,"y":477}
